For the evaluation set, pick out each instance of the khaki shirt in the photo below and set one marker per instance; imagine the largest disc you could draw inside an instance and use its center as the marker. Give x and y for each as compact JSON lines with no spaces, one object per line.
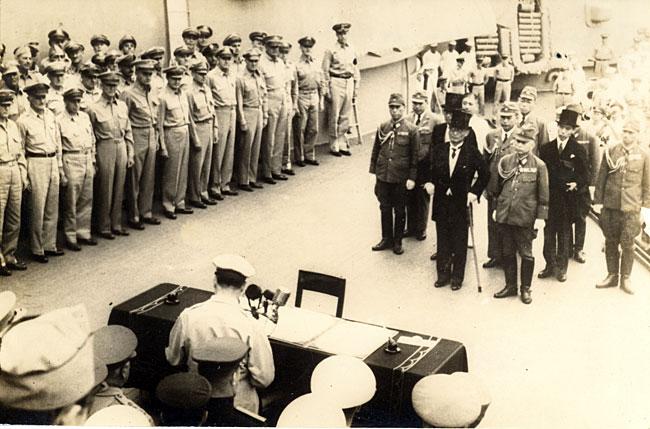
{"x":310,"y":76}
{"x":29,"y":77}
{"x":110,"y":395}
{"x":40,"y":133}
{"x":504,"y":72}
{"x":11,"y":148}
{"x":142,"y":105}
{"x":76,"y":132}
{"x":110,"y":121}
{"x":341,"y":60}
{"x":201,"y":103}
{"x":274,"y":72}
{"x":90,"y":96}
{"x":54,"y":101}
{"x":174,"y":109}
{"x":251,"y":92}
{"x":222,"y":85}
{"x":18,"y":106}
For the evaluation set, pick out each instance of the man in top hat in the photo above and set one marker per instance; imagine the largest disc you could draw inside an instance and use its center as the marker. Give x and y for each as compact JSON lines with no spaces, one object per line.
{"x":311,"y":95}
{"x":42,"y":143}
{"x":221,"y":316}
{"x":222,"y":83}
{"x":504,"y":74}
{"x":78,"y":148}
{"x":24,"y":61}
{"x":115,"y":345}
{"x":417,"y":202}
{"x":13,"y":180}
{"x":142,"y":105}
{"x":205,"y":32}
{"x":394,"y":162}
{"x":55,"y":72}
{"x":91,"y":92}
{"x":100,"y":43}
{"x":114,"y":143}
{"x":291,"y":106}
{"x":157,"y":54}
{"x":127,"y":44}
{"x":603,"y":56}
{"x":184,"y":397}
{"x":253,"y":116}
{"x":527,"y":101}
{"x":623,"y":195}
{"x":202,"y":134}
{"x":174,"y":134}
{"x":11,"y":82}
{"x":257,"y":39}
{"x":48,"y":370}
{"x":499,"y":143}
{"x":522,"y":204}
{"x":342,"y":77}
{"x":233,"y":41}
{"x":568,"y":173}
{"x":453,"y":170}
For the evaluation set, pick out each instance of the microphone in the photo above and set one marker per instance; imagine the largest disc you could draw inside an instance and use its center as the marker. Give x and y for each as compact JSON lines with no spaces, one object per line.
{"x":253,"y":292}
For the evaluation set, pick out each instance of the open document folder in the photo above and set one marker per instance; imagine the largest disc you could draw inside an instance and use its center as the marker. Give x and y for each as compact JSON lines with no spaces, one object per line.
{"x":328,"y":333}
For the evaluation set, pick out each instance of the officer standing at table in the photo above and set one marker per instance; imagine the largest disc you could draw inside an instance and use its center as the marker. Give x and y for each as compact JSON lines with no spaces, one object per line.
{"x":454,"y":166}
{"x":142,"y":105}
{"x":78,"y":147}
{"x":522,"y":203}
{"x":394,"y":162}
{"x":42,"y":143}
{"x":342,"y":77}
{"x":114,"y":143}
{"x":310,"y":102}
{"x":222,"y":316}
{"x":623,"y":191}
{"x":13,"y":180}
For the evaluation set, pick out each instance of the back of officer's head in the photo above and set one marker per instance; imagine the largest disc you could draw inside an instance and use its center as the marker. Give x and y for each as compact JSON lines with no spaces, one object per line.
{"x":230,"y":278}
{"x":232,"y":270}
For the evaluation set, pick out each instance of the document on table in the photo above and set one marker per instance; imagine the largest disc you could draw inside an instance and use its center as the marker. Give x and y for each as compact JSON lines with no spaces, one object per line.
{"x":329,"y":334}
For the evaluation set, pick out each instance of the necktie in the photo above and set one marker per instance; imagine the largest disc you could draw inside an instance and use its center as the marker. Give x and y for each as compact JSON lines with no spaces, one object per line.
{"x":417,"y":122}
{"x":453,"y":152}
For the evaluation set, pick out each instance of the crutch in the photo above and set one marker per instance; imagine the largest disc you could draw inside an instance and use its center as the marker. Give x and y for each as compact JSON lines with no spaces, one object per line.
{"x":470,"y":216}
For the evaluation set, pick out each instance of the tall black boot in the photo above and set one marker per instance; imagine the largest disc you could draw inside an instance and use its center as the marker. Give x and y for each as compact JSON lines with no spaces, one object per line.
{"x":527,"y":268}
{"x":386,"y":230}
{"x":510,"y":271}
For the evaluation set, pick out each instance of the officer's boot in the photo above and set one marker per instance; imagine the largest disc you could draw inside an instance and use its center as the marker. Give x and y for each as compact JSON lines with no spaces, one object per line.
{"x":509,"y":264}
{"x":386,"y":230}
{"x":527,"y":267}
{"x":400,"y":222}
{"x":627,"y":259}
{"x":612,"y":259}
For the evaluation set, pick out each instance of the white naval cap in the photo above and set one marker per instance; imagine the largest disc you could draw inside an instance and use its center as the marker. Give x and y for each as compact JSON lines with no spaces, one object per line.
{"x":119,"y":416}
{"x":235,"y":263}
{"x":310,"y":411}
{"x":348,"y":380}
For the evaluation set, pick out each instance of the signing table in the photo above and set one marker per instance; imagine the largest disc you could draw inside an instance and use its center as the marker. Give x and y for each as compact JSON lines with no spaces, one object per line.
{"x":300,"y":341}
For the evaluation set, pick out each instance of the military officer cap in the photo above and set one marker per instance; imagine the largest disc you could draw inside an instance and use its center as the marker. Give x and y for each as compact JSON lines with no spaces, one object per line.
{"x":347,"y":380}
{"x":285,"y":47}
{"x":182,"y":51}
{"x":312,"y":410}
{"x":199,"y":67}
{"x":233,"y":262}
{"x":252,"y":54}
{"x":231,"y":39}
{"x":220,"y":350}
{"x":419,"y":97}
{"x":6,"y":99}
{"x":110,"y":78}
{"x":144,"y":64}
{"x":210,"y":49}
{"x":568,"y":118}
{"x":273,"y":40}
{"x":58,"y":34}
{"x":154,"y":53}
{"x":125,"y":60}
{"x":119,"y":416}
{"x":10,"y":68}
{"x":453,"y":101}
{"x":191,"y":33}
{"x":396,"y":99}
{"x":22,"y":50}
{"x":73,"y":93}
{"x":632,"y":124}
{"x":525,"y":133}
{"x":114,"y":344}
{"x":342,"y":27}
{"x":99,"y":59}
{"x":307,"y":41}
{"x":72,"y":47}
{"x":443,"y":400}
{"x":224,"y":52}
{"x":36,"y":86}
{"x":34,"y":47}
{"x":529,"y":93}
{"x":111,"y":56}
{"x":460,"y":119}
{"x":47,"y":362}
{"x":184,"y":391}
{"x":509,"y":108}
{"x":126,"y":39}
{"x":257,"y":36}
{"x":205,"y":31}
{"x":174,"y":71}
{"x":99,"y":39}
{"x":89,"y":69}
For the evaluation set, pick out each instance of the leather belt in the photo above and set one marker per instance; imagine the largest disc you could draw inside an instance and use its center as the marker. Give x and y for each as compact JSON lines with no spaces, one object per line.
{"x":167,"y":127}
{"x":73,"y":151}
{"x":9,"y":163}
{"x":225,"y":108}
{"x":346,"y":75}
{"x":478,"y":84}
{"x":307,"y":91}
{"x":503,"y":80}
{"x":564,"y":93}
{"x":29,"y":154}
{"x":144,"y":127}
{"x":203,"y":121}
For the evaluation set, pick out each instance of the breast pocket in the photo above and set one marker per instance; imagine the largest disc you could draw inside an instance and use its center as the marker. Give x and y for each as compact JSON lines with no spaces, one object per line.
{"x":174,"y":109}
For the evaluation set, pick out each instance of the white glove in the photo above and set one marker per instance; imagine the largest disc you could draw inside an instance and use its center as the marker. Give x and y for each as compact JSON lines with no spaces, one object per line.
{"x":410,"y":184}
{"x":494,"y":215}
{"x":539,"y":224}
{"x":429,"y":188}
{"x":471,"y":198}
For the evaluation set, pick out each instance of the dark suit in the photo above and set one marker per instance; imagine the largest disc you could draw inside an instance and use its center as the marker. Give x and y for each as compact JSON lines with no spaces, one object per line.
{"x":570,"y":166}
{"x":449,"y":209}
{"x":591,"y":144}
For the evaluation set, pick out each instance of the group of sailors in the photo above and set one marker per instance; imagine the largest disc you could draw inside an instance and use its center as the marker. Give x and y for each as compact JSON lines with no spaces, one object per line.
{"x":534,"y":172}
{"x":95,"y":129}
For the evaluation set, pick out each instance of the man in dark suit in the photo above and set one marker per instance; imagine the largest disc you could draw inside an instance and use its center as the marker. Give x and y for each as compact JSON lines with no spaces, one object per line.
{"x":394,"y":162}
{"x":453,"y":169}
{"x":568,"y":175}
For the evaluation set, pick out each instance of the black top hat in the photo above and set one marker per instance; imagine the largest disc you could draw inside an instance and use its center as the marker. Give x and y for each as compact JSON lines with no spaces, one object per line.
{"x":453,"y":101}
{"x":569,"y":118}
{"x":460,"y":119}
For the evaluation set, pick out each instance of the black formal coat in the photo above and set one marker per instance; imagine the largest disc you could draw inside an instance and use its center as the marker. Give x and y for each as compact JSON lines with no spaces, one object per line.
{"x":571,"y":166}
{"x":462,"y":181}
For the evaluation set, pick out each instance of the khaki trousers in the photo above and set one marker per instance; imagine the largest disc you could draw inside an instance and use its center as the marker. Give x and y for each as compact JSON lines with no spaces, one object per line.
{"x":200,"y":161}
{"x":174,"y":184}
{"x":44,"y":202}
{"x":141,"y":176}
{"x":11,"y":196}
{"x":223,"y":151}
{"x":78,"y":195}
{"x":250,"y":148}
{"x":111,"y":175}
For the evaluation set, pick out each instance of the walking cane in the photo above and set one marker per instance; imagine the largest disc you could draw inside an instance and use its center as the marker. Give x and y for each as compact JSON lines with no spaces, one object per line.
{"x":470,"y":213}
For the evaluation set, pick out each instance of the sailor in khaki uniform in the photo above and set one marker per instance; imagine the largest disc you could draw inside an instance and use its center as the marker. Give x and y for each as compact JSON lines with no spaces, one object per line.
{"x":603,"y":56}
{"x":504,"y":73}
{"x":13,"y":179}
{"x":78,"y":148}
{"x":115,"y":345}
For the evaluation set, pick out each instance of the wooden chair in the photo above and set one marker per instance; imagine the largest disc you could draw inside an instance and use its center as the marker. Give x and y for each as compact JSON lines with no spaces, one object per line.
{"x":321,"y":283}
